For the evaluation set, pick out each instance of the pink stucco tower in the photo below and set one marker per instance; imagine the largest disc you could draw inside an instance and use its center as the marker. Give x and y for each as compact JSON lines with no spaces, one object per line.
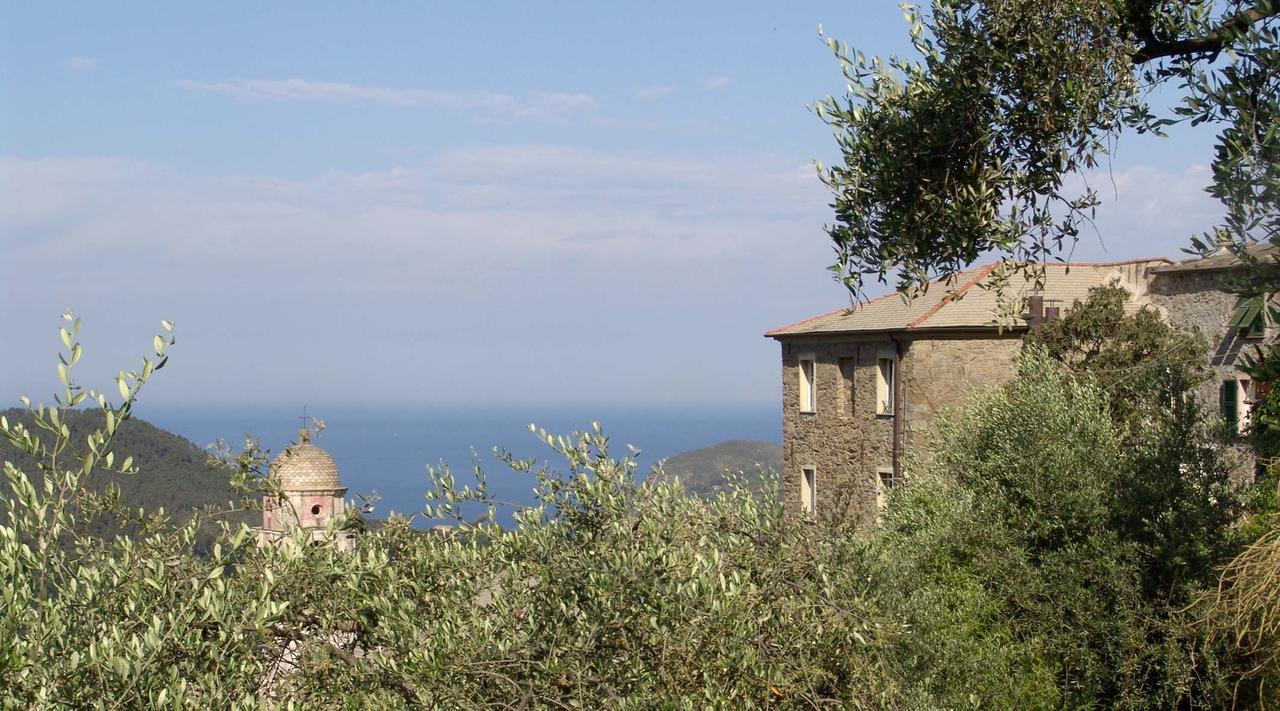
{"x":312,"y":495}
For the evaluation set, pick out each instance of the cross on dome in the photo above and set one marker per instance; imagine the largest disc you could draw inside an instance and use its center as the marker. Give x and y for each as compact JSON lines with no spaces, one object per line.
{"x":305,"y":433}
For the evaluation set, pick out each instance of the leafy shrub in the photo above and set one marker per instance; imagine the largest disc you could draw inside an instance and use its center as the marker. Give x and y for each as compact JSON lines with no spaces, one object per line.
{"x":1028,"y":564}
{"x":608,"y":591}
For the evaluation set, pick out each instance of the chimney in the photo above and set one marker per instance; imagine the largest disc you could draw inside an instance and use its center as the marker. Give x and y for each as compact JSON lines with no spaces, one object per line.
{"x":1035,"y":307}
{"x":1222,"y":241}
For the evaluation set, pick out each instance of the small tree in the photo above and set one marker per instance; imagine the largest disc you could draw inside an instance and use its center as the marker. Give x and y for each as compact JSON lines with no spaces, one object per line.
{"x":1052,"y":550}
{"x":968,"y":148}
{"x":1173,"y":490}
{"x":1137,"y":357}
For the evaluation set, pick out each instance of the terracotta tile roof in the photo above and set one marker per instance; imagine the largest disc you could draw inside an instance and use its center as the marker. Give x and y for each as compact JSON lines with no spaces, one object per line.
{"x":970,"y":302}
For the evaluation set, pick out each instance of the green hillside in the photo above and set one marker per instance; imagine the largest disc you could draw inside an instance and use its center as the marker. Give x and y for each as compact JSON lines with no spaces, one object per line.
{"x":173,"y":473}
{"x":702,"y":471}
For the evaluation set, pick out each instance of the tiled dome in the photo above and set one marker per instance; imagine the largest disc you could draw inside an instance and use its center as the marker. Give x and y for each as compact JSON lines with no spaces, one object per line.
{"x":305,"y":467}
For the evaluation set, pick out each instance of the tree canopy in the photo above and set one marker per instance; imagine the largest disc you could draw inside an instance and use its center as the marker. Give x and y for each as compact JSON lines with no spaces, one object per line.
{"x":1138,"y":357}
{"x":975,"y":146}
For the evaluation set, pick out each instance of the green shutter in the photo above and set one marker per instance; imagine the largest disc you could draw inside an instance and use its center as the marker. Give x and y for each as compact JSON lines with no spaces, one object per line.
{"x":1257,"y":327}
{"x":1247,"y":312}
{"x":1228,"y":397}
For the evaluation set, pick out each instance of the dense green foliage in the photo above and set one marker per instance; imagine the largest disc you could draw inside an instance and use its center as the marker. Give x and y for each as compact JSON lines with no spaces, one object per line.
{"x":1012,"y":533}
{"x":1137,"y":357}
{"x":970,"y":146}
{"x":1032,"y":563}
{"x":1150,"y":372}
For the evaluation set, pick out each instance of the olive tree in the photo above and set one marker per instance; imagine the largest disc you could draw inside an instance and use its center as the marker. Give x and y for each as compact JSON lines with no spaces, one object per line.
{"x":975,"y":144}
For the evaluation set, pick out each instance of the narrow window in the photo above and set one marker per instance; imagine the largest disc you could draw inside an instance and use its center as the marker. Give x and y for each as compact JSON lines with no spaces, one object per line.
{"x":1229,"y":402}
{"x":808,"y":490}
{"x":884,"y":386}
{"x":808,"y":388}
{"x":885,"y":480}
{"x":847,"y":366}
{"x":1246,"y":400}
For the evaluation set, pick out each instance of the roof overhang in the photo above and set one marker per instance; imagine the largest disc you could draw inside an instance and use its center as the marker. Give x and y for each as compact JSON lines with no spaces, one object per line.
{"x":943,"y":332}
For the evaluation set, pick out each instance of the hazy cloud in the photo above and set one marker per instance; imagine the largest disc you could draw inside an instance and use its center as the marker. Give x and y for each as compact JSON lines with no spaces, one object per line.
{"x":548,"y":268}
{"x":498,"y":259}
{"x":530,"y":200}
{"x":82,"y":64}
{"x":495,"y":105}
{"x":717,"y":83}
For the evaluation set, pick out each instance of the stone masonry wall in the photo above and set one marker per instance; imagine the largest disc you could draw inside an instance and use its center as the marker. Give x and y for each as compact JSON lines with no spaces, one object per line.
{"x":844,"y":440}
{"x":941,"y":374}
{"x":1193,"y":300}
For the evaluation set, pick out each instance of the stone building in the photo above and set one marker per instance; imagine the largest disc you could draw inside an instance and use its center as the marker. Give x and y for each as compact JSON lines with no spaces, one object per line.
{"x":312,"y":496}
{"x":1190,"y":295}
{"x":861,"y":386}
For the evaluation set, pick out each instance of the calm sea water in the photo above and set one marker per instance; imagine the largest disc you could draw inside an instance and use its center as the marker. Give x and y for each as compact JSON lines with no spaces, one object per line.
{"x":385,"y":450}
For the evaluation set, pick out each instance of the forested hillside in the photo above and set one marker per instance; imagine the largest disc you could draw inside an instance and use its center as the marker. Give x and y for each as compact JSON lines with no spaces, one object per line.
{"x":173,"y":473}
{"x":703,"y":471}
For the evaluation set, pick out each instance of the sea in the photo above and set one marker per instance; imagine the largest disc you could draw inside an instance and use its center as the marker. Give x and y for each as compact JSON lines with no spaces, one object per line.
{"x":384,"y":450}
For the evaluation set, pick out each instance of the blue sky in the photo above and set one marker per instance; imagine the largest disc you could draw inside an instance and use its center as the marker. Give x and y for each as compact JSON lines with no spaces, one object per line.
{"x":412,"y":202}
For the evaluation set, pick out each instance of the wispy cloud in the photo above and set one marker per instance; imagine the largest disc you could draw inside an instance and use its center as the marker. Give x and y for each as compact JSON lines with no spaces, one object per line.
{"x":519,"y":260}
{"x":496,"y":106}
{"x":527,"y":200}
{"x":716,"y":83}
{"x":510,"y":260}
{"x":651,"y":92}
{"x":82,"y":64}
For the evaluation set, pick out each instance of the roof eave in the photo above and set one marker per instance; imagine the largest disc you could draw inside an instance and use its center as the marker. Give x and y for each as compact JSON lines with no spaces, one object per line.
{"x":1189,"y":269}
{"x":934,"y":330}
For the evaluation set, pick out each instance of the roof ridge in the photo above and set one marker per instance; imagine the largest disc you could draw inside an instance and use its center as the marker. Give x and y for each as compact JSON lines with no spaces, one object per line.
{"x":983,"y":273}
{"x":980,"y":272}
{"x":1122,"y":262}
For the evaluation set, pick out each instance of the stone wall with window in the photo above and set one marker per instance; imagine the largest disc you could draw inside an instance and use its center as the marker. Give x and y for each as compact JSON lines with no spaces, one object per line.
{"x":1193,"y":300}
{"x":842,"y":439}
{"x":846,"y":437}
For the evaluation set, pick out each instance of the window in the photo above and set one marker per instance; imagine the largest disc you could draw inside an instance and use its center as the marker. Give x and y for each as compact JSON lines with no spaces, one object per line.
{"x":808,"y":490}
{"x":1235,"y":399}
{"x":884,"y":386}
{"x":847,"y":369}
{"x":885,"y":480}
{"x":1228,"y":402}
{"x":808,"y":388}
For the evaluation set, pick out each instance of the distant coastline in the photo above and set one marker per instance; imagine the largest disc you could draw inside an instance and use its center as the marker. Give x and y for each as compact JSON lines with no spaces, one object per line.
{"x":386,"y":449}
